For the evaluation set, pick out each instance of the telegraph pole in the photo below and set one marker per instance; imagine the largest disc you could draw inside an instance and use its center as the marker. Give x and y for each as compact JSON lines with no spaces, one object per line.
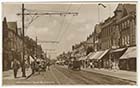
{"x":36,"y":46}
{"x":37,"y":14}
{"x":23,"y":61}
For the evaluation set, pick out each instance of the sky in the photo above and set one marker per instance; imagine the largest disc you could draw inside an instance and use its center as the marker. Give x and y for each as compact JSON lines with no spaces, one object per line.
{"x":67,"y":30}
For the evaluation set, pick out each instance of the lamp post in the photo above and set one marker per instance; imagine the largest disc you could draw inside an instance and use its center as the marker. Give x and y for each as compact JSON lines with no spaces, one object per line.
{"x":100,"y":4}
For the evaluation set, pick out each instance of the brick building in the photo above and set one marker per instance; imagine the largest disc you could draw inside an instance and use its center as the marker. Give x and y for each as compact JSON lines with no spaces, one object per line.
{"x":13,"y":44}
{"x":119,"y":32}
{"x":114,"y":37}
{"x":97,"y":37}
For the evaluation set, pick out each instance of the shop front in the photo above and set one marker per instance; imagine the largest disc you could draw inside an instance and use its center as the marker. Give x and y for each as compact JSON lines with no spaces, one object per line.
{"x":128,"y":60}
{"x":97,"y":58}
{"x":83,"y":61}
{"x":114,"y":56}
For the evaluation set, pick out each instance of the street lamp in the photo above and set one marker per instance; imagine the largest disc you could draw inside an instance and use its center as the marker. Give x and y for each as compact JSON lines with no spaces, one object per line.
{"x":100,"y":4}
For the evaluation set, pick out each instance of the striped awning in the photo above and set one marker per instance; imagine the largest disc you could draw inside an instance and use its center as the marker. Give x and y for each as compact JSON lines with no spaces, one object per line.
{"x":90,"y":55}
{"x":104,"y":53}
{"x":129,"y":53}
{"x":117,"y":50}
{"x":98,"y":55}
{"x":83,"y":58}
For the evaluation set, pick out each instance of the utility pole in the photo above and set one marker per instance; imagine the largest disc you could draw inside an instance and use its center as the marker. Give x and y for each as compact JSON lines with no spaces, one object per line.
{"x":37,"y":14}
{"x":23,"y":61}
{"x":36,"y":46}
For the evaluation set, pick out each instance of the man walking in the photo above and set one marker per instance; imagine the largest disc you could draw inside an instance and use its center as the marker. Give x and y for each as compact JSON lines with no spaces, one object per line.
{"x":15,"y":66}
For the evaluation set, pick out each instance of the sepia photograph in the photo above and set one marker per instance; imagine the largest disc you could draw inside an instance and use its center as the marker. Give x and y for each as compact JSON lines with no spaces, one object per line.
{"x":69,"y":43}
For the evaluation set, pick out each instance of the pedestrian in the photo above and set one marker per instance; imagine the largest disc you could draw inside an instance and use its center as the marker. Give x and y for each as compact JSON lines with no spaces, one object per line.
{"x":91,"y":65}
{"x":32,"y":63}
{"x":113,"y":66}
{"x":15,"y":66}
{"x":86,"y":63}
{"x":37,"y":66}
{"x":99,"y":64}
{"x":33,"y":67}
{"x":48,"y":65}
{"x":110,"y":64}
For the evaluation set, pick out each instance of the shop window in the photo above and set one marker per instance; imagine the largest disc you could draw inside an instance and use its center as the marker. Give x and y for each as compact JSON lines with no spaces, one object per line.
{"x":128,"y":23}
{"x":128,"y":39}
{"x":125,"y":39}
{"x":133,"y":23}
{"x":125,"y":24}
{"x":122,"y":40}
{"x":122,"y":25}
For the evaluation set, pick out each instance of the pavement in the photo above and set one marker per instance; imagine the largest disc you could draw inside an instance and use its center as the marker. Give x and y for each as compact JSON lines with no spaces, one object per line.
{"x":9,"y":75}
{"x":61,"y":75}
{"x":128,"y":75}
{"x":123,"y":74}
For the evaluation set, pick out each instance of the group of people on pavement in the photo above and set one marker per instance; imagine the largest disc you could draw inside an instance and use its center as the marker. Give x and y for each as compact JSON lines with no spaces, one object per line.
{"x":98,"y":64}
{"x":34,"y":64}
{"x":91,"y":64}
{"x":38,"y":65}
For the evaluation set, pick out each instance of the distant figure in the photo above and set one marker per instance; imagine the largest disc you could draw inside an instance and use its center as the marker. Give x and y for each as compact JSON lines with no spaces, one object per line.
{"x":86,"y":64}
{"x":91,"y":65}
{"x":32,"y":62}
{"x":15,"y":66}
{"x":33,"y":67}
{"x":99,"y":64}
{"x":113,"y":66}
{"x":48,"y":65}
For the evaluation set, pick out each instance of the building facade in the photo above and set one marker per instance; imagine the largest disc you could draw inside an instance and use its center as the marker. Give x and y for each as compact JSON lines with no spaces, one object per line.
{"x":13,"y":44}
{"x":119,"y":32}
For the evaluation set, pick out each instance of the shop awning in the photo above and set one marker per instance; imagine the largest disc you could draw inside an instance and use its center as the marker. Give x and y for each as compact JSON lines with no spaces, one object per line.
{"x":88,"y":56}
{"x":91,"y":55}
{"x":117,"y":50}
{"x":83,"y":58}
{"x":104,"y":53}
{"x":98,"y":55}
{"x":130,"y":53}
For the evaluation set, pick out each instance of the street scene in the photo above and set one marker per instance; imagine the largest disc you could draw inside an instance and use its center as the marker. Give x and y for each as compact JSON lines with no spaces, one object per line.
{"x":67,"y":43}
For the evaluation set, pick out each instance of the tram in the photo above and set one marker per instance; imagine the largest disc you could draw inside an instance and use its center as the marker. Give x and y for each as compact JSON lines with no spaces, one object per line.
{"x":74,"y":64}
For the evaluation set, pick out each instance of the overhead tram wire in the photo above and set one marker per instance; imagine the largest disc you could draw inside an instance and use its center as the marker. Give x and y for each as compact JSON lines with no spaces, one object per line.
{"x":44,"y":10}
{"x":34,"y":17}
{"x":62,"y":24}
{"x":31,"y":21}
{"x":67,"y":27}
{"x":69,"y":24}
{"x":50,"y":17}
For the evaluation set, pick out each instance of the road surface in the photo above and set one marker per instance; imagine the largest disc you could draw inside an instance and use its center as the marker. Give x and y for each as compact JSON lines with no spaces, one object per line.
{"x":59,"y":75}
